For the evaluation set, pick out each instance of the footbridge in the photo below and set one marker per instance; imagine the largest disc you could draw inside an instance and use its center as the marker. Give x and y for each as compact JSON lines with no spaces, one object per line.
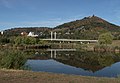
{"x":70,"y":40}
{"x":54,"y":38}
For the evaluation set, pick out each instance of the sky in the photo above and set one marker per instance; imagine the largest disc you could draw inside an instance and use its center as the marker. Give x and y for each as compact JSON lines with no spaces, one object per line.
{"x":51,"y":13}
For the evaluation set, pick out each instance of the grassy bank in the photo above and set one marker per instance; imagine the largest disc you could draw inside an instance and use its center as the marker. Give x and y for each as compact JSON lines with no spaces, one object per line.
{"x":20,"y":76}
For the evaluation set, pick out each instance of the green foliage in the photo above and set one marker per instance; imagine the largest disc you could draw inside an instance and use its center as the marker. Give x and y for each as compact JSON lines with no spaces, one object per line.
{"x":20,"y":40}
{"x":42,"y":42}
{"x":106,"y":61}
{"x":29,"y":40}
{"x":12,"y":59}
{"x":4,"y":40}
{"x":105,"y":38}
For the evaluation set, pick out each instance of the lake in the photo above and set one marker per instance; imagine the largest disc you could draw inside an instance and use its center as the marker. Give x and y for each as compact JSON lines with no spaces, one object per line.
{"x":76,"y":62}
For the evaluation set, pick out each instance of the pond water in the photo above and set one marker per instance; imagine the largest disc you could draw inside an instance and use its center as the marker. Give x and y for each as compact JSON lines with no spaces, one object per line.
{"x":71,"y":61}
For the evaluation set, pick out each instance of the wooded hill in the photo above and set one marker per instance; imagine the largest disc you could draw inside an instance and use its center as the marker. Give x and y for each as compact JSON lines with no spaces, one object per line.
{"x":87,"y":28}
{"x":43,"y":32}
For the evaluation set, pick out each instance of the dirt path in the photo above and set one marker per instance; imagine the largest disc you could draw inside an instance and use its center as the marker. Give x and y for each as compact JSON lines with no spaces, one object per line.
{"x":17,"y":76}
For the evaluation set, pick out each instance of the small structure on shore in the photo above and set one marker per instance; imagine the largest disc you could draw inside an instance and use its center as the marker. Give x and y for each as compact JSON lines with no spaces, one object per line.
{"x":1,"y":32}
{"x":24,"y":33}
{"x":32,"y":34}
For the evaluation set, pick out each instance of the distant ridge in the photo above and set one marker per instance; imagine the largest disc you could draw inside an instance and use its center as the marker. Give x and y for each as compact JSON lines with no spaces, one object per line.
{"x":87,"y":28}
{"x":91,"y":21}
{"x":37,"y":30}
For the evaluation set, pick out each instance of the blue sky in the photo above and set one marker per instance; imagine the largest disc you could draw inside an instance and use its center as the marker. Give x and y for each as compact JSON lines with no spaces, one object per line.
{"x":50,"y":13}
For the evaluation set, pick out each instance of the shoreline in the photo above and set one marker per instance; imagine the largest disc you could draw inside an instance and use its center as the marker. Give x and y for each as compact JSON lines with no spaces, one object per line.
{"x":23,"y":76}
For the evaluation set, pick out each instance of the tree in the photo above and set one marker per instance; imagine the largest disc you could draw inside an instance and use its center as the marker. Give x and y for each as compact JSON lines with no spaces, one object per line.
{"x":25,"y":40}
{"x":29,"y":40}
{"x":4,"y":40}
{"x":105,"y":38}
{"x":18,"y":40}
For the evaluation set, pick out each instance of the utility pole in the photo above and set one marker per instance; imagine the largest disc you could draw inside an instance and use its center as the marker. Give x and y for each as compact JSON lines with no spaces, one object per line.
{"x":51,"y":35}
{"x":55,"y":35}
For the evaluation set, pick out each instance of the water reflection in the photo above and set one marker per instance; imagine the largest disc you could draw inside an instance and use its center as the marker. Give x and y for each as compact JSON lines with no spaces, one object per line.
{"x":88,"y":61}
{"x":92,"y":63}
{"x":68,"y":61}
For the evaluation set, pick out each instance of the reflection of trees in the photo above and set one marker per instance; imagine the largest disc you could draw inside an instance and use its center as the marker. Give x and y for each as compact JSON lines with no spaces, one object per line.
{"x":40,"y":54}
{"x":89,"y":60}
{"x":106,"y":61}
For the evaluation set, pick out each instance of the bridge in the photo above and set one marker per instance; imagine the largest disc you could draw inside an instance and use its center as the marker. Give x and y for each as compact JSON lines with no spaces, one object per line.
{"x":70,"y":40}
{"x":61,"y":50}
{"x":54,"y":51}
{"x":54,"y":38}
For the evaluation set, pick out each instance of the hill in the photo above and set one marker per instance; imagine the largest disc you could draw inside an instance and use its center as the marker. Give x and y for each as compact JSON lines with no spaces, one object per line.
{"x":87,"y":28}
{"x":41,"y":31}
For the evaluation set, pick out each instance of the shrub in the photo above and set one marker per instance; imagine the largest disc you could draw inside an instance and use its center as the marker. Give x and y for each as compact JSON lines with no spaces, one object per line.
{"x":105,"y":38}
{"x":12,"y":59}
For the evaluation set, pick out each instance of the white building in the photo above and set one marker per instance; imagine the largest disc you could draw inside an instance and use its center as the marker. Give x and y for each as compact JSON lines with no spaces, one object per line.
{"x":2,"y":32}
{"x":31,"y":34}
